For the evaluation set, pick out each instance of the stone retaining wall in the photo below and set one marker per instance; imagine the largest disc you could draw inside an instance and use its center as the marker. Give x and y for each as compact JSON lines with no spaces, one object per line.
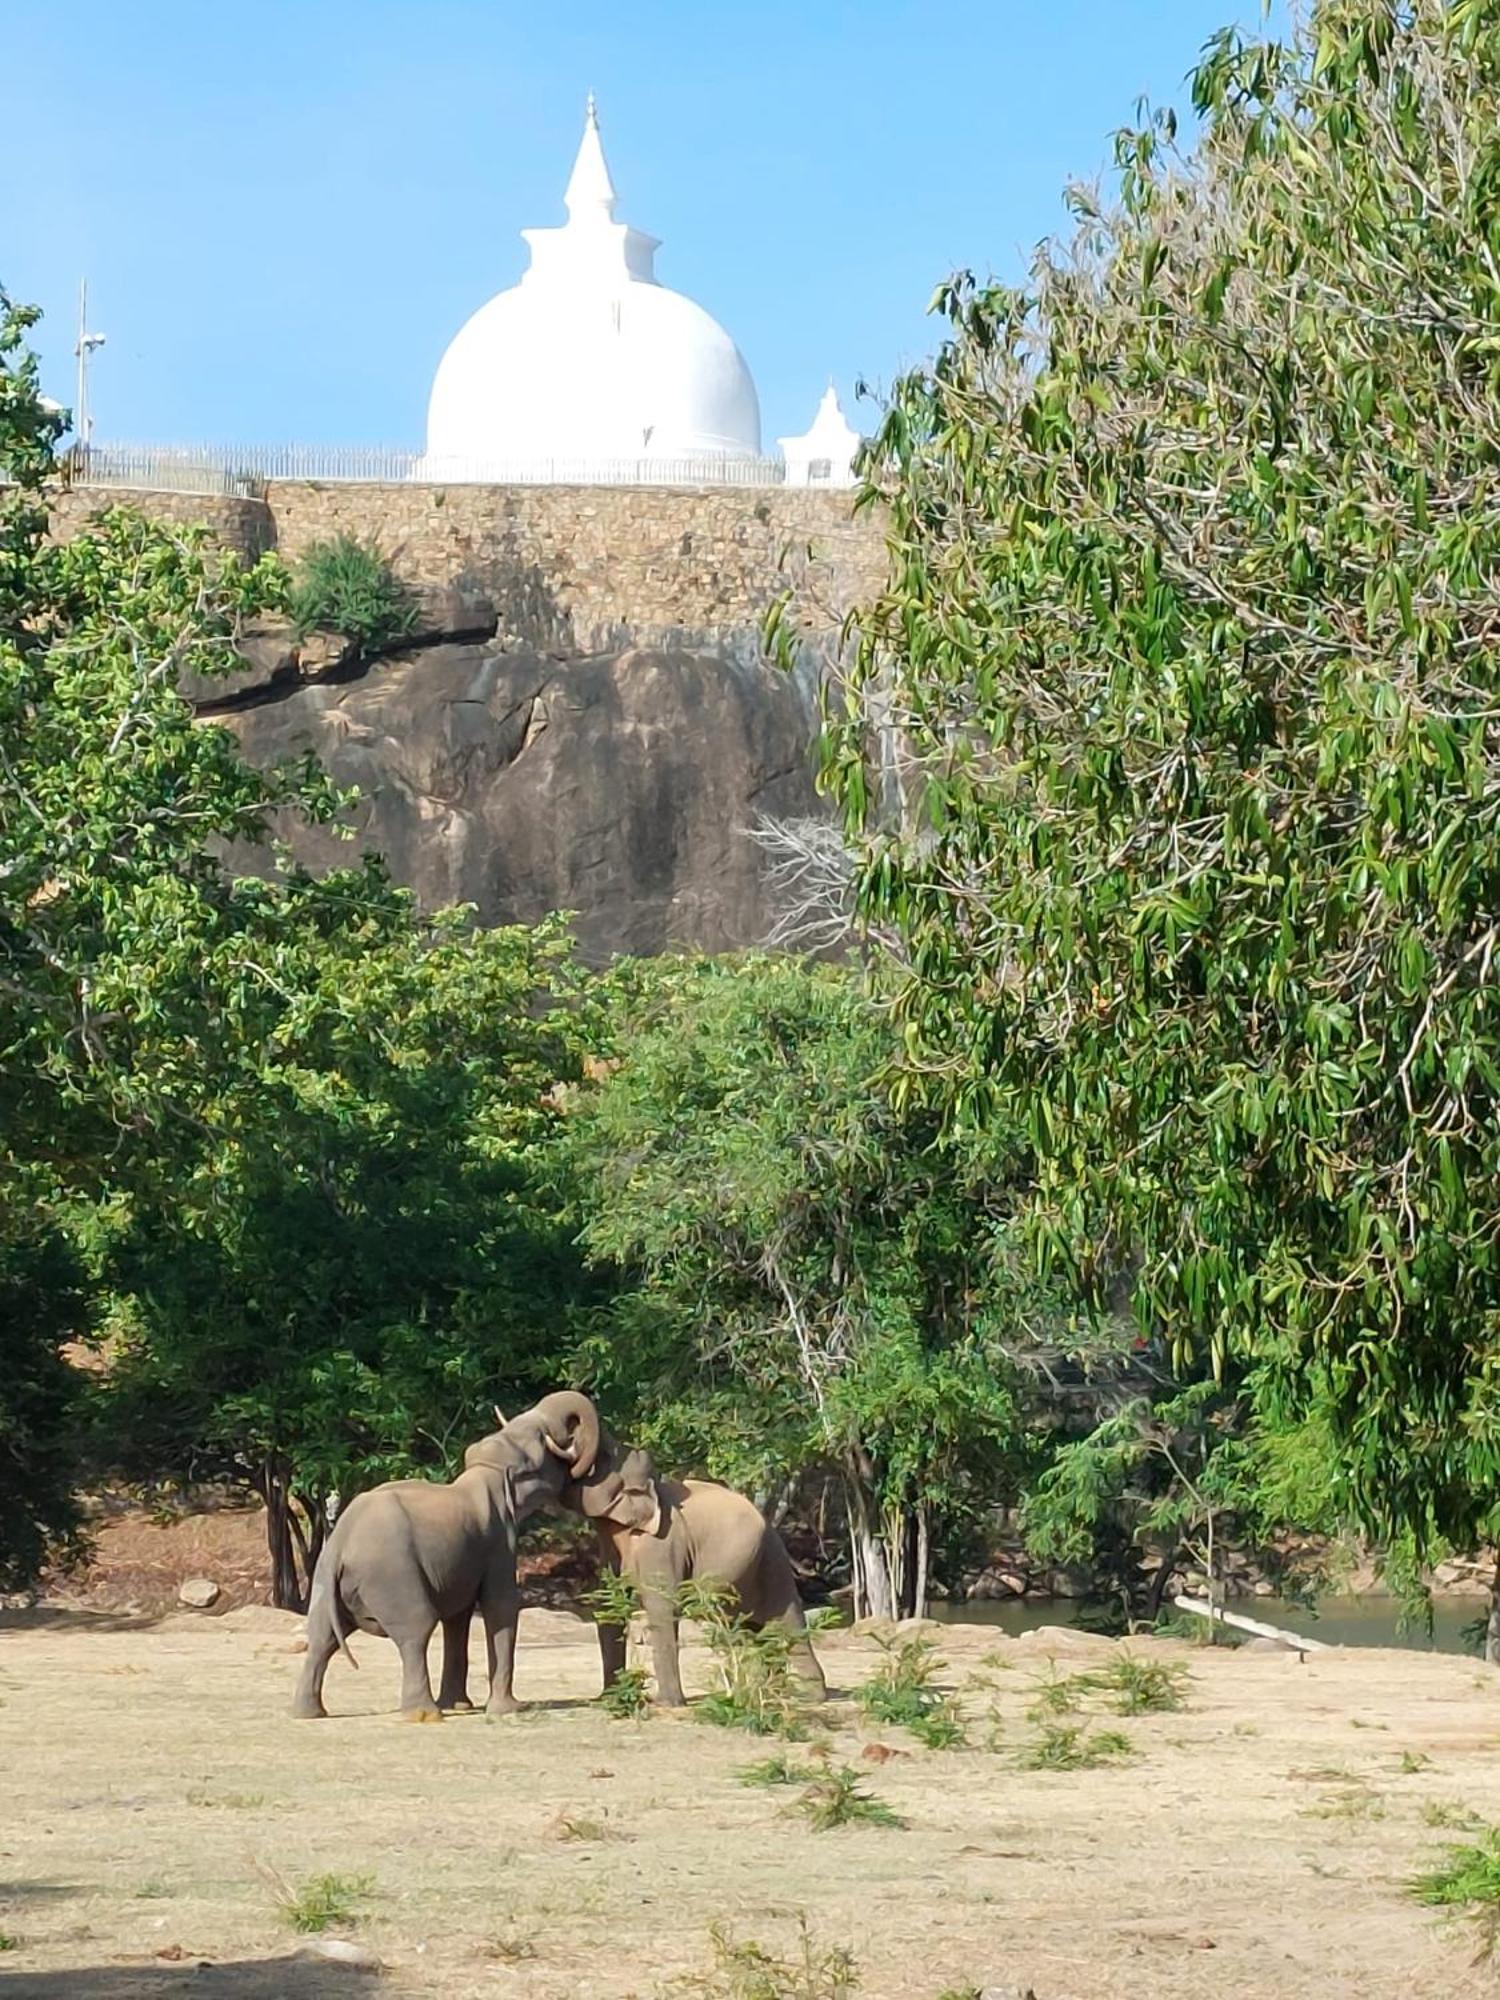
{"x":587,"y":569}
{"x":571,"y":569}
{"x":242,"y":525}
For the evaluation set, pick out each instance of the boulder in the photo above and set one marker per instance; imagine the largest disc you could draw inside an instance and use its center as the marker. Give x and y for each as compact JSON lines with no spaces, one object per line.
{"x":622,"y":787}
{"x":199,"y":1593}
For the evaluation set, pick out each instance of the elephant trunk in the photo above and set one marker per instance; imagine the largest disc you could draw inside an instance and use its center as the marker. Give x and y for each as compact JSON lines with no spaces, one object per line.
{"x":570,"y":1425}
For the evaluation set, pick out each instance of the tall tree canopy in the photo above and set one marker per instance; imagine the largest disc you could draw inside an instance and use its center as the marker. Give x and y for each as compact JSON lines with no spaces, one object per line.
{"x":1187,"y":686}
{"x":810,"y":1281}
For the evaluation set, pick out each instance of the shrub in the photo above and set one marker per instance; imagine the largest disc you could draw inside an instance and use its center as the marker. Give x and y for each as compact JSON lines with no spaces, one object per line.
{"x":901,"y":1692}
{"x":627,"y":1698}
{"x":757,"y":1689}
{"x":344,"y":586}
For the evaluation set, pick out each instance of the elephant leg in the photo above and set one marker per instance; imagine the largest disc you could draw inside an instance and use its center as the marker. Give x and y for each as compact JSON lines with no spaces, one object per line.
{"x":322,"y":1644}
{"x":454,"y":1689}
{"x":611,"y":1653}
{"x":417,"y":1704}
{"x":500,"y":1606}
{"x":804,"y":1662}
{"x":661,"y":1621}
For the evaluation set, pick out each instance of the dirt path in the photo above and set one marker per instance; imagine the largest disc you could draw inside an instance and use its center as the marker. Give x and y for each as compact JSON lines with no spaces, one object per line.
{"x":1255,"y":1844}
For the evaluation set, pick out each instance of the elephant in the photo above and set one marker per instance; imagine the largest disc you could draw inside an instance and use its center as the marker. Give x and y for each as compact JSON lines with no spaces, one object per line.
{"x":660,"y":1532}
{"x":414,"y":1554}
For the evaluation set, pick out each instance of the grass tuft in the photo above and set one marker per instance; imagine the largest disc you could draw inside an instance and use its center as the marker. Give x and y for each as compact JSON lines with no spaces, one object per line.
{"x":321,"y":1901}
{"x":1071,"y":1746}
{"x":1467,"y":1882}
{"x":748,"y":1971}
{"x":836,"y":1798}
{"x":777,"y":1770}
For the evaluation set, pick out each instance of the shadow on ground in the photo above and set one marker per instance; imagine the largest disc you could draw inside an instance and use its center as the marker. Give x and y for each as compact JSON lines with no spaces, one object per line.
{"x":75,"y":1618}
{"x":285,"y":1978}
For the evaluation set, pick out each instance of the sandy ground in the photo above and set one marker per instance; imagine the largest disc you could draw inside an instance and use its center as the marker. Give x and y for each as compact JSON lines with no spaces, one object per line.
{"x":1256,"y":1843}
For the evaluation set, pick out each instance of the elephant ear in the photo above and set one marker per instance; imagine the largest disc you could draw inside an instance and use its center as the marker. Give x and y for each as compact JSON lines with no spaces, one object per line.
{"x":638,"y":1505}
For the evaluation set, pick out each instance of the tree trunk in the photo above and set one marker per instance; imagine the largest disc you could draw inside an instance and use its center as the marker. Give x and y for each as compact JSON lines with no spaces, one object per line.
{"x":1158,"y":1587}
{"x":869,"y":1562}
{"x":287,"y":1538}
{"x":1492,"y":1628}
{"x":920,"y":1565}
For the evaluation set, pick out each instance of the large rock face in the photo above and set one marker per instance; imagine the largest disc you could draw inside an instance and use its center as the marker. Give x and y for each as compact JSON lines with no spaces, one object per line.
{"x":620,"y":787}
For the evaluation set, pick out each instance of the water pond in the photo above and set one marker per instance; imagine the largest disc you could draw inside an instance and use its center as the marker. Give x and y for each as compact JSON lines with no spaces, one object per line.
{"x":1338,"y":1621}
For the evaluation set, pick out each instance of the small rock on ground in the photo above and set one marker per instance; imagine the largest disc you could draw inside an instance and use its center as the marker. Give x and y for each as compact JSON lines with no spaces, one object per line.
{"x":342,"y":1951}
{"x":198,"y":1592}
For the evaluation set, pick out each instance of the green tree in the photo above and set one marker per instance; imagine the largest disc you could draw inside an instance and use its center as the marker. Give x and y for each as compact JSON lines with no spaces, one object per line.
{"x":1188,"y":678}
{"x":809,"y":1281}
{"x":141,"y":984}
{"x":357,"y":1268}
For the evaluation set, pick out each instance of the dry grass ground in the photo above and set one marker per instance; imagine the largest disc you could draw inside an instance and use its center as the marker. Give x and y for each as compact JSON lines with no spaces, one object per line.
{"x":1257,"y":1843}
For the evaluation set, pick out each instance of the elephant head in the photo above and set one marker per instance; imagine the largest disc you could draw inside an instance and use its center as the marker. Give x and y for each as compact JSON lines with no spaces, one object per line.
{"x":626,"y":1494}
{"x":537,"y":1451}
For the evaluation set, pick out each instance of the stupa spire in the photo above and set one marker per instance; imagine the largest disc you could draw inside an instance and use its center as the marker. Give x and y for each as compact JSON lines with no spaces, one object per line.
{"x":590,"y":191}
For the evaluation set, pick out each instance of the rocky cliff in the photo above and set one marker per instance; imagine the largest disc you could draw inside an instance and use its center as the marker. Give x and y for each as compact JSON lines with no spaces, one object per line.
{"x":584,"y":721}
{"x":620,"y":785}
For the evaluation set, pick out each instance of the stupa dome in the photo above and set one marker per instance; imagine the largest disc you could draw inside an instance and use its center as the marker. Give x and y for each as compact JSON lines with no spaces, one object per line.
{"x":588,"y":360}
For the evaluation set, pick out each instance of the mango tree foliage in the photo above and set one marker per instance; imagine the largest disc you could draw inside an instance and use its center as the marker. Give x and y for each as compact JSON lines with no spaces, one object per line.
{"x":1187,"y":689}
{"x":808,"y":1280}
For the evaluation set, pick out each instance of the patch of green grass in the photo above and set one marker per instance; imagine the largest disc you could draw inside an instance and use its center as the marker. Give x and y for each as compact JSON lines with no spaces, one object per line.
{"x":962,"y":1993}
{"x":228,"y":1801}
{"x":748,"y":1971}
{"x":322,"y":1900}
{"x":777,"y":1770}
{"x":1058,"y":1694}
{"x":1072,"y":1746}
{"x":1467,"y":1883}
{"x":941,"y":1728}
{"x":1142,"y":1687}
{"x":154,"y":1890}
{"x":1412,"y":1761}
{"x":628,"y":1697}
{"x":837,"y":1798}
{"x":9,"y":1941}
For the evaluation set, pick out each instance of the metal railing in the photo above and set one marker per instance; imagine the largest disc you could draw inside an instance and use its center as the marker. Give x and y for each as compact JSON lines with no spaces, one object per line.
{"x":248,"y":469}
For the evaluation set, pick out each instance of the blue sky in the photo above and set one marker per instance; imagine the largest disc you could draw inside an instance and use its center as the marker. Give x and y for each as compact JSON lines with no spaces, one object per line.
{"x":286,"y":210}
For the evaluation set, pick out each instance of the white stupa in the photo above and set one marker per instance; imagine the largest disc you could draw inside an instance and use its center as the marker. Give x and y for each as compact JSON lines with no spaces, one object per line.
{"x":588,"y":367}
{"x":824,"y":455}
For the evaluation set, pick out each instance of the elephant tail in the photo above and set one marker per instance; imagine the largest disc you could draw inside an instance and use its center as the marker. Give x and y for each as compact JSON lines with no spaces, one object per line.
{"x":330,"y":1583}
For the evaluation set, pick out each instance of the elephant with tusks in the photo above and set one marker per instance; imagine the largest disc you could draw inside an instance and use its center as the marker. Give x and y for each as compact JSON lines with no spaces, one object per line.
{"x":409,"y":1556}
{"x":661,"y":1532}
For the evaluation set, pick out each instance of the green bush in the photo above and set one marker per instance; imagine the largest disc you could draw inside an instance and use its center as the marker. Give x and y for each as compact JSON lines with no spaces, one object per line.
{"x":901,"y":1692}
{"x":344,"y":586}
{"x":757,"y":1689}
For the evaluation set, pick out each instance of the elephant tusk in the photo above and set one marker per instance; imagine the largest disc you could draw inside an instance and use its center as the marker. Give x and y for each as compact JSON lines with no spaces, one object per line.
{"x":566,"y":1452}
{"x":499,"y":1415}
